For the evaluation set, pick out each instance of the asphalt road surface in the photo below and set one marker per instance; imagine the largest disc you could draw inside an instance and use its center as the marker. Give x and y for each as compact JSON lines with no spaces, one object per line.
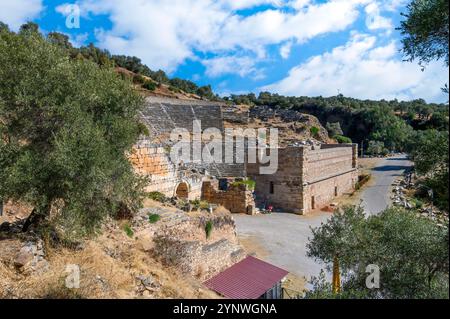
{"x":284,"y":236}
{"x":376,"y":196}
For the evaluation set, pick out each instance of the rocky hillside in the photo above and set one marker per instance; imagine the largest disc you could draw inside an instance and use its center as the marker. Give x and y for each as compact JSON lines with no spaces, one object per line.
{"x":149,"y":87}
{"x":145,"y":257}
{"x":294,"y":128}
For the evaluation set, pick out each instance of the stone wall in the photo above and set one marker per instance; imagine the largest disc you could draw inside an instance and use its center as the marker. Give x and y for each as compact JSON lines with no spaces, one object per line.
{"x":327,"y":162}
{"x":322,"y":193}
{"x":234,"y":115}
{"x":307,"y":178}
{"x":329,"y":172}
{"x":237,"y":198}
{"x":162,"y":115}
{"x":185,"y":246}
{"x":286,"y":183}
{"x":164,"y":176}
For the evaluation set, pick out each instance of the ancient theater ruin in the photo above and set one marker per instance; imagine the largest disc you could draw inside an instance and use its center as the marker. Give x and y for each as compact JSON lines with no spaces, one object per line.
{"x":308,"y":176}
{"x":213,"y":182}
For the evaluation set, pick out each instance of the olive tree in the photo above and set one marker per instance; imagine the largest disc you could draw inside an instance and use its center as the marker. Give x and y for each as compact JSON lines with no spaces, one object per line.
{"x":411,"y":252}
{"x":66,"y":126}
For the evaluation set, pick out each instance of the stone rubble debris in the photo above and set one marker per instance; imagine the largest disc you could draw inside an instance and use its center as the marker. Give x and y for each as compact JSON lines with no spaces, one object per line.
{"x":400,"y":199}
{"x":31,"y":258}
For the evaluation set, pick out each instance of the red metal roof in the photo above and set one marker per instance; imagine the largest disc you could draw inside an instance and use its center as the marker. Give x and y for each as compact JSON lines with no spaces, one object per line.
{"x":248,"y":279}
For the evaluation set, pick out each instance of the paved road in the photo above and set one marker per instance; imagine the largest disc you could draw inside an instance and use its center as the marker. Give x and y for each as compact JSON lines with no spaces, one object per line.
{"x":376,"y":196}
{"x":284,"y":236}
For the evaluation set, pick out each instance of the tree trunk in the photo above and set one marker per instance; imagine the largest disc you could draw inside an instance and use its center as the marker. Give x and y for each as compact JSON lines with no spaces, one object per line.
{"x":336,"y":276}
{"x":32,"y":220}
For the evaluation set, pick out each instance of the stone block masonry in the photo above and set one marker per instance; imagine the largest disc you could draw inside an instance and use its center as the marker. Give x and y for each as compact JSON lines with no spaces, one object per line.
{"x":237,"y":198}
{"x":185,"y":246}
{"x":307,"y":178}
{"x":164,"y":176}
{"x":151,"y":155}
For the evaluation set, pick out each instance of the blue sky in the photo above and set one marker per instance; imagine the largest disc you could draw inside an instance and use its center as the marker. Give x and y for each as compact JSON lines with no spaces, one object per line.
{"x":291,"y":47}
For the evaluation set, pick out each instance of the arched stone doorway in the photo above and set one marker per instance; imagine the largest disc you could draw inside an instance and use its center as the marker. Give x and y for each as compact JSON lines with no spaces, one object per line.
{"x":182,"y":191}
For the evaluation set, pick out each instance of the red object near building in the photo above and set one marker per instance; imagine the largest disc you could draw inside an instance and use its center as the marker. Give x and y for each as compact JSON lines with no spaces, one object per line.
{"x":250,"y":278}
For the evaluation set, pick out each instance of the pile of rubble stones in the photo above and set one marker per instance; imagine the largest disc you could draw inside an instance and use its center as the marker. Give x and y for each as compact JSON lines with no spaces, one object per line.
{"x":400,"y":199}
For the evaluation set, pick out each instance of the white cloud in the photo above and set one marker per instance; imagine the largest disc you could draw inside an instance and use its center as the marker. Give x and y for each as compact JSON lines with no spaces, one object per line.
{"x":17,"y":12}
{"x":393,"y":5}
{"x":363,"y":70}
{"x":374,"y":20}
{"x":164,"y":33}
{"x":243,"y":4}
{"x":230,"y":64}
{"x":243,"y":66}
{"x":285,"y":49}
{"x":299,"y":4}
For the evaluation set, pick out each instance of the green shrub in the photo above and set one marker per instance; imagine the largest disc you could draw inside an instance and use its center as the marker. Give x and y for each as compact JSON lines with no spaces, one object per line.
{"x":204,"y":205}
{"x":251,"y":184}
{"x":153,"y":218}
{"x":143,"y":129}
{"x":377,"y":148}
{"x":128,"y":230}
{"x":149,"y":85}
{"x":208,"y":229}
{"x":343,"y":139}
{"x":182,"y":204}
{"x":174,"y":89}
{"x":334,"y":129}
{"x":139,"y":79}
{"x":314,"y":130}
{"x":417,"y":203}
{"x":167,"y":149}
{"x":157,"y":196}
{"x":199,"y":204}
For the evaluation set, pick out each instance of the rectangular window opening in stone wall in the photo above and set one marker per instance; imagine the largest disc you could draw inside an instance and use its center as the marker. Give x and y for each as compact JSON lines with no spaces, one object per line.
{"x":313,"y":202}
{"x":336,"y":191}
{"x":223,"y":184}
{"x":272,"y":188}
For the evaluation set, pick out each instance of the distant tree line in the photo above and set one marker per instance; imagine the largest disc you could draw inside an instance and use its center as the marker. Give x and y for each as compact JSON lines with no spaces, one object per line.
{"x":388,"y":122}
{"x":131,"y":63}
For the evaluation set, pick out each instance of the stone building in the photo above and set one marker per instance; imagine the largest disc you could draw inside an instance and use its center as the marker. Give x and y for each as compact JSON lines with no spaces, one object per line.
{"x":307,"y":178}
{"x":194,"y":180}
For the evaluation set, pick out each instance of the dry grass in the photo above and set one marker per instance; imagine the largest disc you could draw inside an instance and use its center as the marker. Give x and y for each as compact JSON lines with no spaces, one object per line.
{"x":108,"y":266}
{"x":294,"y":285}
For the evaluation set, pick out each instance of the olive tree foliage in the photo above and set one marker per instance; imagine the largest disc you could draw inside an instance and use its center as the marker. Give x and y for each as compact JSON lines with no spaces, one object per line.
{"x":430,"y":153}
{"x":388,"y":128}
{"x":376,"y":148}
{"x":66,"y":126}
{"x":426,"y":31}
{"x":334,"y":129}
{"x":411,"y":252}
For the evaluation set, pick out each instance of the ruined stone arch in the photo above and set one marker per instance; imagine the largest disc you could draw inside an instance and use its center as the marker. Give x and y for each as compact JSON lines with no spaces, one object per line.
{"x":182,"y":190}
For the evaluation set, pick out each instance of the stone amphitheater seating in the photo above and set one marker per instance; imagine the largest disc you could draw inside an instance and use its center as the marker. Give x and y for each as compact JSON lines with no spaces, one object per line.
{"x":162,"y":115}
